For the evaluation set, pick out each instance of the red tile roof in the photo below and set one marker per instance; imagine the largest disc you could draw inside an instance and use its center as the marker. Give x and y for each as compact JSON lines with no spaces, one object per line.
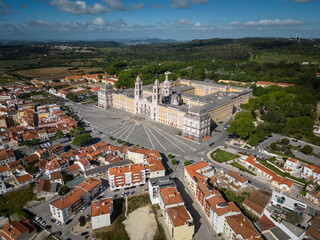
{"x":242,"y":226}
{"x":179,"y":215}
{"x":101,"y":207}
{"x":24,"y":178}
{"x":170,"y":195}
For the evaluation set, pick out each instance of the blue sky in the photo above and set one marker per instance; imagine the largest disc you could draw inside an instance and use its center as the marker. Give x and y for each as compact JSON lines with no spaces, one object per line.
{"x":176,"y":19}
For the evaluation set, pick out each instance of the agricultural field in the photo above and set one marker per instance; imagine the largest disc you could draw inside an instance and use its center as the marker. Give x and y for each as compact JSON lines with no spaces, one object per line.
{"x":275,"y":57}
{"x":11,"y":63}
{"x":56,"y":72}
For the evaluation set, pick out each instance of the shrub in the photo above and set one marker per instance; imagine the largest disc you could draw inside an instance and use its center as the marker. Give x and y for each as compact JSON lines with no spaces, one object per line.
{"x":119,"y":140}
{"x":126,"y":144}
{"x":111,"y":138}
{"x":173,"y":161}
{"x":170,"y":155}
{"x":285,"y":141}
{"x":186,"y":163}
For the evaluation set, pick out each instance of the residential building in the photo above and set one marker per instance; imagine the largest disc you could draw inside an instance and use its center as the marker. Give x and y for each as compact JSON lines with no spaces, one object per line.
{"x":155,"y":184}
{"x":22,"y":230}
{"x":185,"y":104}
{"x":56,"y":177}
{"x":282,"y":183}
{"x":291,"y":165}
{"x":126,"y":176}
{"x":311,"y":172}
{"x":176,"y":216}
{"x":64,"y":208}
{"x":281,"y":200}
{"x":239,"y":227}
{"x":56,"y":165}
{"x":101,"y":212}
{"x":313,"y":230}
{"x":5,"y":171}
{"x":256,"y":203}
{"x":236,"y":180}
{"x":24,"y":179}
{"x":4,"y":187}
{"x":6,"y":156}
{"x":313,"y":197}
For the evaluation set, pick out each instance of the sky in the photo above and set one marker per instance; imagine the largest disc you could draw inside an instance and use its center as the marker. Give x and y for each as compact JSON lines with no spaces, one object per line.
{"x":165,"y":19}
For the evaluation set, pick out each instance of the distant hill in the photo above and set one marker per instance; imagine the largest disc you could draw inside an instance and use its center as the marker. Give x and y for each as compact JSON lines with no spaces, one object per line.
{"x":142,"y":41}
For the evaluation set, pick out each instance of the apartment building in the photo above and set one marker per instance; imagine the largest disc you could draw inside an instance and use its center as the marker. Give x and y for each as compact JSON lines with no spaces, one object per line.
{"x":282,"y":183}
{"x":155,"y":184}
{"x":239,"y":227}
{"x":177,"y":218}
{"x":101,"y":212}
{"x":5,"y":171}
{"x":64,"y":208}
{"x":291,"y":165}
{"x":126,"y":176}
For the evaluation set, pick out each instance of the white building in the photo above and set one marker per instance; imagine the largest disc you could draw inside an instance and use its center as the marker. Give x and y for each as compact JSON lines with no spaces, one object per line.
{"x":155,"y":184}
{"x":101,"y":212}
{"x":291,"y":165}
{"x":64,"y":208}
{"x":312,"y":172}
{"x":5,"y":171}
{"x":284,"y":201}
{"x":4,"y":188}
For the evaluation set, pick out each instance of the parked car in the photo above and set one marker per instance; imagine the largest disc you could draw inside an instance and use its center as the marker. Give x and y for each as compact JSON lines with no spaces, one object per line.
{"x":58,"y":234}
{"x":69,"y":221}
{"x":84,"y":233}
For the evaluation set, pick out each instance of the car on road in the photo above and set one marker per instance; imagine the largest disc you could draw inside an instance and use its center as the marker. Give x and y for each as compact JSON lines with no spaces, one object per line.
{"x":69,"y":221}
{"x":53,"y":220}
{"x":116,"y":190}
{"x":82,"y":209}
{"x":57,"y":234}
{"x":211,"y":144}
{"x":84,"y":233}
{"x":127,"y":188}
{"x":48,"y":227}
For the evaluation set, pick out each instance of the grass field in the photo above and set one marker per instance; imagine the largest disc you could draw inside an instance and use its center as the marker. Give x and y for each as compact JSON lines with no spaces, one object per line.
{"x":222,"y":156}
{"x":55,"y":72}
{"x":274,"y":57}
{"x":237,"y":165}
{"x":10,"y":63}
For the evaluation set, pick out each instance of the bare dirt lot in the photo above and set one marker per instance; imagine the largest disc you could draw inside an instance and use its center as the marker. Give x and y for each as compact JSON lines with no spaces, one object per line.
{"x":140,"y":224}
{"x":55,"y":72}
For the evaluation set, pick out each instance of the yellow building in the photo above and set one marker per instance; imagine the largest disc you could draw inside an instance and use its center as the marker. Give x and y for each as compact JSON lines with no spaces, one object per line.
{"x":192,"y":106}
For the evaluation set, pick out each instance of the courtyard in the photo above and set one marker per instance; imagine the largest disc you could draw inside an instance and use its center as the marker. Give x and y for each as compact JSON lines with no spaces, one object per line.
{"x":137,"y":130}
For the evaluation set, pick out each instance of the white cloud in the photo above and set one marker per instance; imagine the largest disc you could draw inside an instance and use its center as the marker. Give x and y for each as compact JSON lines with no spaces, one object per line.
{"x":115,"y":4}
{"x":179,"y":3}
{"x":79,"y":7}
{"x":197,"y":24}
{"x":182,"y":22}
{"x":270,"y":23}
{"x":135,"y":6}
{"x":99,"y":21}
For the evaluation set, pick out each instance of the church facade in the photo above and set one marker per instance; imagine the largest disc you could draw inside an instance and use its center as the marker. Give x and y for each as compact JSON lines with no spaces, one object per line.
{"x":192,"y":106}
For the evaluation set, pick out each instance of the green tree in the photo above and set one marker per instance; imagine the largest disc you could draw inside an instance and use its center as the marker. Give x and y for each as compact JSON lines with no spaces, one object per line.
{"x":32,"y":168}
{"x":285,"y":141}
{"x":170,"y":155}
{"x":82,"y":139}
{"x":67,"y":177}
{"x":59,"y":134}
{"x":126,"y":144}
{"x":64,"y":190}
{"x":119,"y":140}
{"x":71,"y":97}
{"x":111,"y":138}
{"x":242,"y":125}
{"x":186,"y":163}
{"x":307,"y":149}
{"x":173,"y":161}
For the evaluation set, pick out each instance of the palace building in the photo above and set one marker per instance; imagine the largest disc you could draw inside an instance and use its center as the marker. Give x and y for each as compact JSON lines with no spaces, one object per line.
{"x":190,"y":105}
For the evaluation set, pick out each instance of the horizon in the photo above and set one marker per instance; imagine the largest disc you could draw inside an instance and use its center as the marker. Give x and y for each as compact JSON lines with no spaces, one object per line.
{"x":181,"y":20}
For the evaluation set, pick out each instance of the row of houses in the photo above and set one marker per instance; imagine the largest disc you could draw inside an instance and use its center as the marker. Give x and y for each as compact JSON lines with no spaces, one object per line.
{"x":225,"y":217}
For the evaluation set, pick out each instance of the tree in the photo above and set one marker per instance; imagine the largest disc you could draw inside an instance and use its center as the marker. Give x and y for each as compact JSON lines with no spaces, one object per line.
{"x":82,"y":139}
{"x":67,"y":177}
{"x":32,"y":168}
{"x":285,"y":141}
{"x":173,"y":161}
{"x":170,"y":155}
{"x":82,"y":219}
{"x":186,"y":163}
{"x":126,"y":144}
{"x":59,"y":134}
{"x":119,"y":140}
{"x":111,"y":138}
{"x":71,"y":97}
{"x":64,"y":190}
{"x":307,"y":149}
{"x":241,"y":127}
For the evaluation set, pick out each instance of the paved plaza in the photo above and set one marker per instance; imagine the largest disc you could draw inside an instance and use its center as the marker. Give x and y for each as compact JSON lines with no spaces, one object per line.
{"x":137,"y":129}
